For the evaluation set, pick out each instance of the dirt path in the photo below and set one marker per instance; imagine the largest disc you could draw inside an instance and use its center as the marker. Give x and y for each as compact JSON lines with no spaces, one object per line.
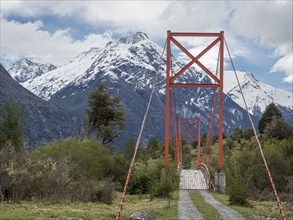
{"x":194,"y":180}
{"x":186,"y":209}
{"x":226,"y":212}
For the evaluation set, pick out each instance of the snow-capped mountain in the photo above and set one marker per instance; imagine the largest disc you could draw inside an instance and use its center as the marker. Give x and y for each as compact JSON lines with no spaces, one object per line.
{"x":128,"y":67}
{"x":258,"y":95}
{"x":51,"y":82}
{"x":134,"y":59}
{"x":24,"y":69}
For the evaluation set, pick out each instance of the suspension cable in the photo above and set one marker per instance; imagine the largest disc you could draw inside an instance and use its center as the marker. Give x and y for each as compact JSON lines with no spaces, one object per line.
{"x":130,"y":170}
{"x":282,"y":212}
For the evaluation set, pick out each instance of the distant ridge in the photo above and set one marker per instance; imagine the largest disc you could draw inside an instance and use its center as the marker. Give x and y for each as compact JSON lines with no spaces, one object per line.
{"x":24,"y":70}
{"x":128,"y":67}
{"x":258,"y":95}
{"x":43,"y":121}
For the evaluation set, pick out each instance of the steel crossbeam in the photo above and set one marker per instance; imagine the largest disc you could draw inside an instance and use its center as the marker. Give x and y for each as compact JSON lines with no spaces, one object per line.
{"x":171,"y":82}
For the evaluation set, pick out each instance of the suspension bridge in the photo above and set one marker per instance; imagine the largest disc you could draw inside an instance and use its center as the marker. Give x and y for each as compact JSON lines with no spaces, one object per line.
{"x":188,"y":129}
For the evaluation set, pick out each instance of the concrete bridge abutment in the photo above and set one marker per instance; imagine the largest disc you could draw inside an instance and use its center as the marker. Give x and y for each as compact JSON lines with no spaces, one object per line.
{"x":220,"y":181}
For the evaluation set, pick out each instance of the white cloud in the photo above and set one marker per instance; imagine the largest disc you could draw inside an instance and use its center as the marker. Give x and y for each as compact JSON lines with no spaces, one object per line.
{"x":285,"y":64}
{"x":28,"y":8}
{"x":267,"y":24}
{"x":57,"y":48}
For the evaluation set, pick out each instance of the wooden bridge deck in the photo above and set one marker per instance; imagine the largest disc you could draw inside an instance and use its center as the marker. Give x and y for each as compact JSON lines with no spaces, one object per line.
{"x":192,"y":179}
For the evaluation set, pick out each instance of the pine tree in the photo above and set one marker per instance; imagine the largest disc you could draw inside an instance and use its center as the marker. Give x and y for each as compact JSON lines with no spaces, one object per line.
{"x":153,"y":148}
{"x":278,"y":129}
{"x":10,"y":125}
{"x":104,"y":116}
{"x":270,"y":112}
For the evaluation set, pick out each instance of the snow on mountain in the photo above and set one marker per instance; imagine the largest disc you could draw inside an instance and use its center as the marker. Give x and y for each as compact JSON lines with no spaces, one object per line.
{"x":49,"y":83}
{"x":128,"y":66}
{"x":133,"y":59}
{"x":24,"y":70}
{"x":258,"y":95}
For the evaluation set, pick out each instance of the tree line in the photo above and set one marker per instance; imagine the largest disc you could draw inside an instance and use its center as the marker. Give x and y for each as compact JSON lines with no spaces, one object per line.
{"x":86,"y":169}
{"x":246,"y":173}
{"x":79,"y":169}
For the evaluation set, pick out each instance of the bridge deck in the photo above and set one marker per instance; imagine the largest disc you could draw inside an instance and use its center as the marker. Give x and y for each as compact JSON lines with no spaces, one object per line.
{"x":192,"y":179}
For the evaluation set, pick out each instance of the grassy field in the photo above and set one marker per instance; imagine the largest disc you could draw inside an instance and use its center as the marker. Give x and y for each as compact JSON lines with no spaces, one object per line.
{"x":163,"y":209}
{"x":259,"y":208}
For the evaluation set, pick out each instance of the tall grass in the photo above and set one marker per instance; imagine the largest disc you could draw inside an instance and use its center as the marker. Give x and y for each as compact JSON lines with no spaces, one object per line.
{"x":29,"y":210}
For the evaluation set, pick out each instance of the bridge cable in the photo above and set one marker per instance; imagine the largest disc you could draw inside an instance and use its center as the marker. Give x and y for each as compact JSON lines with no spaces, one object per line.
{"x":130,"y":170}
{"x":282,"y":212}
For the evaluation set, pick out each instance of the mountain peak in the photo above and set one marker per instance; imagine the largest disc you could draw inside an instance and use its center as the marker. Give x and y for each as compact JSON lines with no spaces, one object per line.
{"x":140,"y":36}
{"x":137,"y":37}
{"x":23,"y":61}
{"x":25,"y":69}
{"x":93,"y":51}
{"x":248,"y":75}
{"x":257,"y":94}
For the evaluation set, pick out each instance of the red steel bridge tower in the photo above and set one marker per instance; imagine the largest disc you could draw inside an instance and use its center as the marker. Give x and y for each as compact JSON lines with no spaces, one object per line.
{"x":171,"y":84}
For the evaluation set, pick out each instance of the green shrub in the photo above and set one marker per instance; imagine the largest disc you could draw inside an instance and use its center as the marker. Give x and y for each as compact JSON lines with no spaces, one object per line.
{"x":239,"y":176}
{"x":168,"y":182}
{"x":66,"y":170}
{"x":152,"y":178}
{"x":144,"y":177}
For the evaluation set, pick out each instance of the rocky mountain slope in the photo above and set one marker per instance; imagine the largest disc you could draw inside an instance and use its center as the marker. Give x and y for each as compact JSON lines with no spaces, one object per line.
{"x":258,"y":95}
{"x":128,"y":66}
{"x":24,"y":69}
{"x":43,"y":121}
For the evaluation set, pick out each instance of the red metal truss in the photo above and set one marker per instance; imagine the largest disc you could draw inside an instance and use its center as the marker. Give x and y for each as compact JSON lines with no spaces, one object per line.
{"x":171,"y":81}
{"x":189,"y":130}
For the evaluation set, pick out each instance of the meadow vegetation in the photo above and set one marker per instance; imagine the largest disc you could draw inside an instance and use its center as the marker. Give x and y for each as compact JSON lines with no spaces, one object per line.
{"x":83,"y":177}
{"x":244,"y":167}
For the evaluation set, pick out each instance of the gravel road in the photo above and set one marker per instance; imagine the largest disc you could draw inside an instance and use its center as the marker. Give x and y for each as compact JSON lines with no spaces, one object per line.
{"x":186,"y":209}
{"x":226,"y":212}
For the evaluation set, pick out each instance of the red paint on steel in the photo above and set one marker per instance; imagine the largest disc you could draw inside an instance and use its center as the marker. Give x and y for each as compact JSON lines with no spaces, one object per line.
{"x":189,"y":127}
{"x":168,"y":71}
{"x":191,"y":133}
{"x":191,"y":85}
{"x":176,"y":142}
{"x":184,"y":34}
{"x":194,"y":59}
{"x":170,"y":80}
{"x":221,"y":101}
{"x":198,"y":160}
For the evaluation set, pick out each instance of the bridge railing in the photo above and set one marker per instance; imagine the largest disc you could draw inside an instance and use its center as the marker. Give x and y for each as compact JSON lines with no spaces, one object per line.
{"x":204,"y":169}
{"x":179,"y":167}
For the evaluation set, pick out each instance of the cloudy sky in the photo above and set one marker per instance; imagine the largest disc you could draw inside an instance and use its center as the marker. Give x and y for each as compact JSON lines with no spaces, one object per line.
{"x":259,"y":33}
